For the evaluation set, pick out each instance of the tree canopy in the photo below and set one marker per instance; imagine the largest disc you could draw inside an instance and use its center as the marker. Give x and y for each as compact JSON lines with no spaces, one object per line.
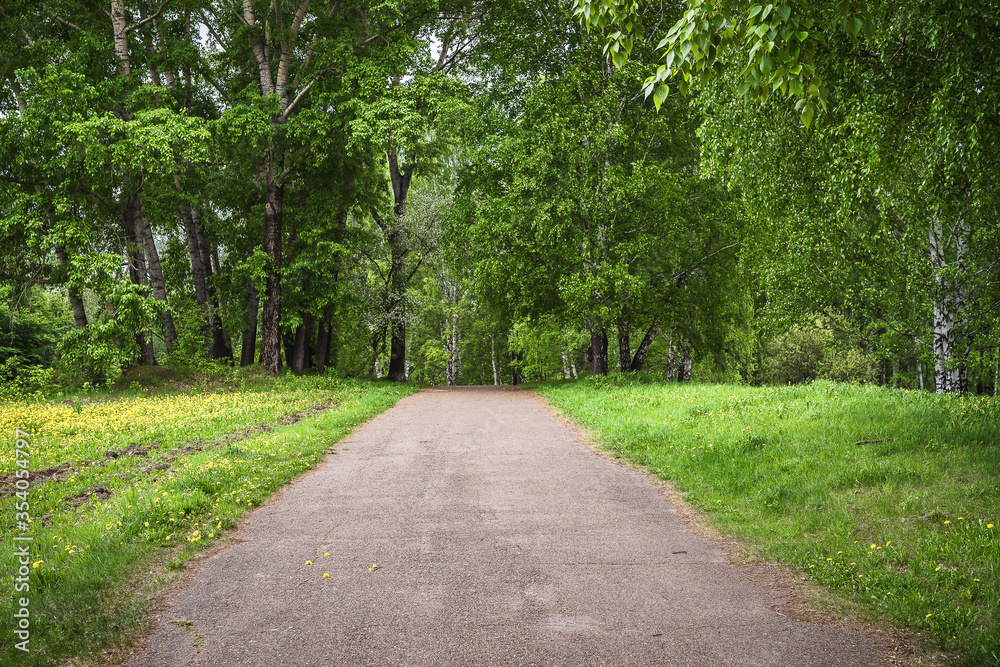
{"x":460,"y":191}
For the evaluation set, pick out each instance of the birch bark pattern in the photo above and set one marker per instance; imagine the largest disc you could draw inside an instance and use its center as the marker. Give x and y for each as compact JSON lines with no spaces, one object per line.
{"x":947,"y":256}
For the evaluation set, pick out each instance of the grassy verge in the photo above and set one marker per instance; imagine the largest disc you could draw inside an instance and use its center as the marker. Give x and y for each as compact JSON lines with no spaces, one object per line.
{"x":133,"y":481}
{"x":890,"y":497}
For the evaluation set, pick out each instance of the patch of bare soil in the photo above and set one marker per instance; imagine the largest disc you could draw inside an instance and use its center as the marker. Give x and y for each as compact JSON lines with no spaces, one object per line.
{"x":98,"y":491}
{"x":59,"y":472}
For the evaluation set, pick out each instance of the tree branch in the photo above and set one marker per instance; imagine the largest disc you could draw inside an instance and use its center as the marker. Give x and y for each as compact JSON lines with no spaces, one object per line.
{"x":65,"y":22}
{"x":26,"y":279}
{"x":152,"y":17}
{"x":290,"y":168}
{"x":379,"y":221}
{"x":298,"y":98}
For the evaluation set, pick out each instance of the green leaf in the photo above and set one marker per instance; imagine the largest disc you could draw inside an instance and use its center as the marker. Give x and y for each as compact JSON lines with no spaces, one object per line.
{"x":765,"y":64}
{"x":784,"y":11}
{"x":660,"y":95}
{"x":807,"y":115}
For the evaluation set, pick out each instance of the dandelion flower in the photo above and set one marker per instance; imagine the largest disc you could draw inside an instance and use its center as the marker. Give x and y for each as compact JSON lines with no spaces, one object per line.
{"x":326,"y":554}
{"x":947,"y":522}
{"x":309,"y":562}
{"x":326,"y":575}
{"x":989,"y":525}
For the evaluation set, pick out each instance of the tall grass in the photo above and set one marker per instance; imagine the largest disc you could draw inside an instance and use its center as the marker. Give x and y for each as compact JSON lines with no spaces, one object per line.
{"x":108,"y":532}
{"x":890,"y":497}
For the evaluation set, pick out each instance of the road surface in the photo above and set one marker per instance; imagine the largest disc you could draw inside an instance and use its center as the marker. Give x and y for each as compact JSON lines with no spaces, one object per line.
{"x":499,"y":539}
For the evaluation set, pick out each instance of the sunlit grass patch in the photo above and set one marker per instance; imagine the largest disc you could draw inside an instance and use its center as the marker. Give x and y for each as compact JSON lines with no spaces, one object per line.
{"x":888,"y":496}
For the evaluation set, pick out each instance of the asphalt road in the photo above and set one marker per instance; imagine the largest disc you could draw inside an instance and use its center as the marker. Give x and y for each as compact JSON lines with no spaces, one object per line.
{"x":500,"y":539}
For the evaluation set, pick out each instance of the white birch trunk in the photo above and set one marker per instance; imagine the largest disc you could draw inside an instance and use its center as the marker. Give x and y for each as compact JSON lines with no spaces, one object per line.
{"x":947,"y":255}
{"x":565,"y":361}
{"x":671,"y":362}
{"x":493,"y":360}
{"x":453,"y":336}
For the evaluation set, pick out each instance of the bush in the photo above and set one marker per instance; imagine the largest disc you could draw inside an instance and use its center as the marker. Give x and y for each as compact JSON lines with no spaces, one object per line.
{"x":806,"y":353}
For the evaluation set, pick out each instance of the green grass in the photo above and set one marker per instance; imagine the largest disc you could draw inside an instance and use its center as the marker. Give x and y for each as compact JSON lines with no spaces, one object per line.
{"x":889,"y":497}
{"x":97,"y":559}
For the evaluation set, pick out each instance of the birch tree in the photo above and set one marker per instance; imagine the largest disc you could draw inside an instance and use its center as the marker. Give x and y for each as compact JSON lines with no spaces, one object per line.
{"x":897,"y":172}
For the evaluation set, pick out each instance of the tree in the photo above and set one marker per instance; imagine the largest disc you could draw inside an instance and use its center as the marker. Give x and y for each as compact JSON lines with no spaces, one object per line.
{"x":594,"y":210}
{"x":882,"y":213}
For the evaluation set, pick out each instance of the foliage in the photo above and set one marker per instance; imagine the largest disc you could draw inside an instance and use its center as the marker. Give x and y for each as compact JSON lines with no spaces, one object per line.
{"x":806,"y":353}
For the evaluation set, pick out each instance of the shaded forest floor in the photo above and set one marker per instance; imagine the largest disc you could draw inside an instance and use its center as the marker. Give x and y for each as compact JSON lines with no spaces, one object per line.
{"x":888,"y":497}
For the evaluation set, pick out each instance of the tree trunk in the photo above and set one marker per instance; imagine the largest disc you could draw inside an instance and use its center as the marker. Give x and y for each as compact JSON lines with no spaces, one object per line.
{"x":303,"y":339}
{"x":624,"y":347}
{"x":565,"y":362}
{"x":216,"y":343}
{"x":249,"y":352}
{"x":515,"y":370}
{"x":671,"y":363}
{"x":199,"y":275}
{"x":397,"y":354}
{"x":221,"y":348}
{"x":684,"y":366}
{"x":159,"y":287}
{"x":399,"y":178}
{"x":119,"y":24}
{"x":324,"y":336}
{"x":947,"y":255}
{"x":640,"y":355}
{"x":270,"y":344}
{"x":493,"y":359}
{"x":599,"y":346}
{"x":288,"y":343}
{"x":75,"y":301}
{"x":128,"y":216}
